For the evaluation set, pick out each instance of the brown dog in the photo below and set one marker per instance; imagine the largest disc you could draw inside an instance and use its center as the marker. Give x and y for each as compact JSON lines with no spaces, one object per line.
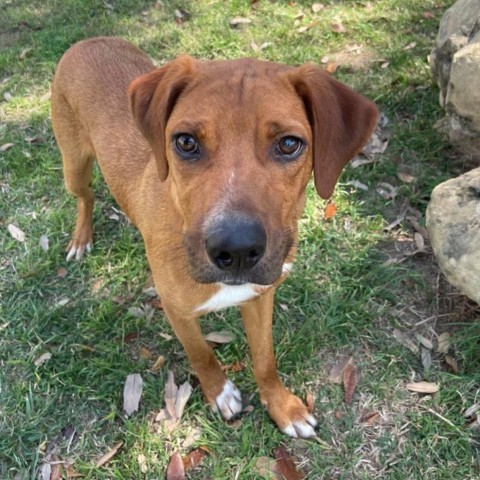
{"x":210,"y":160}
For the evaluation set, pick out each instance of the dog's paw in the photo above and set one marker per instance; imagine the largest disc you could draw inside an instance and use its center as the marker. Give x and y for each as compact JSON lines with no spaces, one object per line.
{"x":229,"y":401}
{"x":291,"y":415}
{"x":76,"y":250}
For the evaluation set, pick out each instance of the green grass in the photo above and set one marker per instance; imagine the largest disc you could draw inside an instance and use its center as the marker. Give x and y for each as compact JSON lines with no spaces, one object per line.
{"x":343,"y":298}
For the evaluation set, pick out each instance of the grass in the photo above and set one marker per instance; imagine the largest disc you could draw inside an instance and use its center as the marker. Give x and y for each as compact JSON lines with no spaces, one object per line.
{"x":343,"y":298}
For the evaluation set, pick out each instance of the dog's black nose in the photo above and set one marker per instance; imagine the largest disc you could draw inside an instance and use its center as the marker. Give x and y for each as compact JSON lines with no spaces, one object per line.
{"x":236,"y":244}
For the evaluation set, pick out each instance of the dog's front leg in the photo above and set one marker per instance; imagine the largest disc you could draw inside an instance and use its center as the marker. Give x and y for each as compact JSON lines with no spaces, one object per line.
{"x":219,"y":391}
{"x":286,"y":409}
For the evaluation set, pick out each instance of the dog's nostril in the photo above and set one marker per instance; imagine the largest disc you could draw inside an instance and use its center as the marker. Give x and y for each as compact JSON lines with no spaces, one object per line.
{"x":224,"y":259}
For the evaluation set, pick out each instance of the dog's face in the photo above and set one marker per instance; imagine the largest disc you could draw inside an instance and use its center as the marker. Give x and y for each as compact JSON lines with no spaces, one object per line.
{"x":236,"y":141}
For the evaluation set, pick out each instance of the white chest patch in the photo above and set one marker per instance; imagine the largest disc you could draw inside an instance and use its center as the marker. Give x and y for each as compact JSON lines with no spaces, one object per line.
{"x":229,"y":296}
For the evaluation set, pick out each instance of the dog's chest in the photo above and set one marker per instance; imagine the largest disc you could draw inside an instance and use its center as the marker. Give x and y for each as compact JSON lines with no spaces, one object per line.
{"x":230,"y":296}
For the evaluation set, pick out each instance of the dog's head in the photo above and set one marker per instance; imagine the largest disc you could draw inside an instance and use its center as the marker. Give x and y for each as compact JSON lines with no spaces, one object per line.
{"x":237,"y":141}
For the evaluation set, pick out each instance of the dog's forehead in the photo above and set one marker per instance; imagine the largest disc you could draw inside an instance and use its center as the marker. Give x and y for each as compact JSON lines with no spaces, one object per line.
{"x":244,"y":87}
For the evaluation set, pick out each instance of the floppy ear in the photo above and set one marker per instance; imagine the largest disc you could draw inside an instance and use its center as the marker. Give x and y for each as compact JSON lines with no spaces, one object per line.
{"x":341,"y":121}
{"x":152,"y":98}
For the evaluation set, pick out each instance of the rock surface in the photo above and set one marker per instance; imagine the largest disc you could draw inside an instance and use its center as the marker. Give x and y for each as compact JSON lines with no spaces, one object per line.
{"x":455,"y":64}
{"x":453,"y":223}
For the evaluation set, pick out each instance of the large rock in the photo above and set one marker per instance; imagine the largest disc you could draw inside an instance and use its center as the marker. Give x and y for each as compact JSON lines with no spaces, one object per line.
{"x":453,"y":223}
{"x":455,"y":64}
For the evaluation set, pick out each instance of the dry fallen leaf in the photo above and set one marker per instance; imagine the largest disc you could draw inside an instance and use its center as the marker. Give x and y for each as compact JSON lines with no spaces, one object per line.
{"x":471,"y":410}
{"x":316,"y":7}
{"x":171,"y":391}
{"x":16,"y":232}
{"x":175,"y":469}
{"x":410,"y":46}
{"x":405,"y":174}
{"x":239,"y":22}
{"x":166,"y":336}
{"x":338,"y":27}
{"x":424,"y":341}
{"x":132,"y":393}
{"x":452,"y":363}
{"x":235,"y":366}
{"x":331,"y":68}
{"x":43,"y":242}
{"x":223,"y":336}
{"x":443,"y":343}
{"x":336,"y":372}
{"x":44,"y":357}
{"x":369,"y":418}
{"x":422,"y":387}
{"x":109,"y":455}
{"x":145,"y":353}
{"x":307,"y":27}
{"x":7,"y":96}
{"x":183,"y":394}
{"x":350,"y":381}
{"x":405,"y":340}
{"x":285,"y":466}
{"x":330,"y":211}
{"x":194,"y":458}
{"x":142,"y":463}
{"x":6,"y":146}
{"x":71,"y":472}
{"x":426,"y":358}
{"x":159,"y":363}
{"x":419,"y":241}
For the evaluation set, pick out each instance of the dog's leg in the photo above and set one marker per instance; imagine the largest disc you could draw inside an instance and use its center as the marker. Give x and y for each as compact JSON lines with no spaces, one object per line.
{"x":287,"y":410}
{"x":219,"y":391}
{"x":77,"y":157}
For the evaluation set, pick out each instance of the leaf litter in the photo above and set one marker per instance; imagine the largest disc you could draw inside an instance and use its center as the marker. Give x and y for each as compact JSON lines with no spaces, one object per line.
{"x":132,"y":393}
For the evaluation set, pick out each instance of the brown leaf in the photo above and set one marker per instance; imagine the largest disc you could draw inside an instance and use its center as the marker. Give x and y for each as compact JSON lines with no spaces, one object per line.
{"x":109,"y":455}
{"x":428,"y":15}
{"x":307,"y":27}
{"x":316,"y":7}
{"x":16,"y":232}
{"x":223,"y":336}
{"x":310,"y":401}
{"x":159,"y":363}
{"x":331,"y":68}
{"x":338,"y":27}
{"x":443,"y":343}
{"x":194,"y":458}
{"x":285,"y":466}
{"x":175,"y":469}
{"x":350,"y":380}
{"x":61,"y":272}
{"x":145,"y":353}
{"x":235,"y":367}
{"x":419,"y":241}
{"x":369,"y":418}
{"x":57,"y":471}
{"x":452,"y":363}
{"x":336,"y":372}
{"x":132,"y":393}
{"x":330,"y":211}
{"x":422,"y":387}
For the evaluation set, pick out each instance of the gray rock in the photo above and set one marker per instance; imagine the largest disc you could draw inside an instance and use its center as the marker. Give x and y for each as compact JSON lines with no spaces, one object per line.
{"x":453,"y":224}
{"x":455,"y":64}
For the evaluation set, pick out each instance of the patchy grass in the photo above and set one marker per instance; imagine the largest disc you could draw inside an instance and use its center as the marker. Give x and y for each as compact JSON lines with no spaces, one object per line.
{"x":352,"y":285}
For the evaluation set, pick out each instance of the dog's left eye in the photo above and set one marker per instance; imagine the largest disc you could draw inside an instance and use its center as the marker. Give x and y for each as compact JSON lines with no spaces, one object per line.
{"x":289,"y":146}
{"x":187,"y":145}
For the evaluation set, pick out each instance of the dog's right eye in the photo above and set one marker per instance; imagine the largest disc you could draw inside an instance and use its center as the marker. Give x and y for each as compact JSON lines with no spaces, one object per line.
{"x":187,"y":146}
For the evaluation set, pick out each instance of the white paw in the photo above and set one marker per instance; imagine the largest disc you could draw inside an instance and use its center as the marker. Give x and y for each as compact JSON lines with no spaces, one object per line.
{"x":303,"y":428}
{"x":229,"y":402}
{"x":77,"y":252}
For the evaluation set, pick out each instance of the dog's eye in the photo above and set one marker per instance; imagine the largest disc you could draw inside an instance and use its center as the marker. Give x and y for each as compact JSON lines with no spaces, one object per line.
{"x":187,"y":144}
{"x":289,"y":146}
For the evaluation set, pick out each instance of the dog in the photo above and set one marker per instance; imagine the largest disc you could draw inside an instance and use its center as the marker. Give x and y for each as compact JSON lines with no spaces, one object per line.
{"x":210,"y":160}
